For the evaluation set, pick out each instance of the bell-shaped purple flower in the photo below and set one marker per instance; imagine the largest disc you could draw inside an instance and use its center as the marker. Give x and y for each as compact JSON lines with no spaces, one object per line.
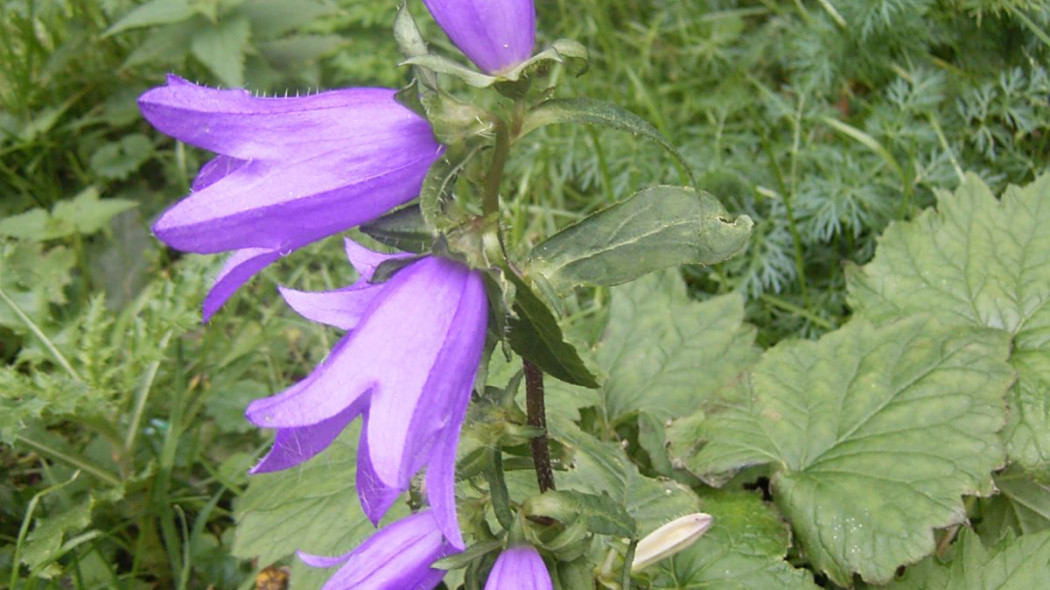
{"x":290,"y":170}
{"x":519,"y":568}
{"x":398,"y":557}
{"x":496,"y":35}
{"x":407,"y":366}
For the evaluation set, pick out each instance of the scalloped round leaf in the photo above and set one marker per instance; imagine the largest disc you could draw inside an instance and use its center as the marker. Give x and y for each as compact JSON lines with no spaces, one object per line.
{"x":978,"y":261}
{"x":743,"y":550}
{"x":874,"y":435}
{"x":1021,"y":563}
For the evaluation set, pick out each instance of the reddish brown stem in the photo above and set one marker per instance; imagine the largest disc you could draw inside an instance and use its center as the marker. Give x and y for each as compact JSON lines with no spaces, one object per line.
{"x":537,"y":417}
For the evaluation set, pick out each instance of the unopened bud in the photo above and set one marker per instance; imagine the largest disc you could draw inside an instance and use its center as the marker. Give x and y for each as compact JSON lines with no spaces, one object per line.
{"x":670,"y":539}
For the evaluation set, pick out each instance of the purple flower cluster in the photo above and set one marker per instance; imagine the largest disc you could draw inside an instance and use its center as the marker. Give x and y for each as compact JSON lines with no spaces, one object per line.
{"x":291,"y":171}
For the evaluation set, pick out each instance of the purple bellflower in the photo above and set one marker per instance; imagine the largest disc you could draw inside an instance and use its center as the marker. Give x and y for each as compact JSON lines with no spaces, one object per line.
{"x":496,"y":35}
{"x":519,"y":568}
{"x":407,"y":366}
{"x":398,"y":557}
{"x":290,"y":171}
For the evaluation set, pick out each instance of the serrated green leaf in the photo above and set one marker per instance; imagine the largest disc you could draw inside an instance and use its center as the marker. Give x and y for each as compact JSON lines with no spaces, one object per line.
{"x":84,"y":214}
{"x":536,"y":336}
{"x":652,"y":229}
{"x":1021,"y":563}
{"x":44,"y":542}
{"x":166,"y":45}
{"x":313,"y":508}
{"x":155,"y":12}
{"x":272,"y":18}
{"x":743,"y":550}
{"x":603,"y":468}
{"x":589,"y":111}
{"x":298,"y":50}
{"x":665,"y":354}
{"x":222,"y":49}
{"x":118,"y":159}
{"x":33,"y":279}
{"x":978,"y":261}
{"x":874,"y":434}
{"x":1022,"y":505}
{"x":603,"y":514}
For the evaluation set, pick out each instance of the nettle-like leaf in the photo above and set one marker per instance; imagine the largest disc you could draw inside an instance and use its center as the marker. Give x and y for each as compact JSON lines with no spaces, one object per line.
{"x":313,"y":508}
{"x":1022,"y":505}
{"x":978,"y":261}
{"x":1021,"y":563}
{"x":603,"y":468}
{"x":665,"y":353}
{"x":653,"y":229}
{"x":743,"y":550}
{"x":873,"y":435}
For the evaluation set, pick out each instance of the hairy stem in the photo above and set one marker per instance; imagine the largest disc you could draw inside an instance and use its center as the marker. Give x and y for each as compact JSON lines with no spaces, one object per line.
{"x":537,"y":417}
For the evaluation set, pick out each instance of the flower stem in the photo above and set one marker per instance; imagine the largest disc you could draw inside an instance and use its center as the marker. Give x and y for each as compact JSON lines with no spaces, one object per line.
{"x":490,"y":198}
{"x":537,"y":417}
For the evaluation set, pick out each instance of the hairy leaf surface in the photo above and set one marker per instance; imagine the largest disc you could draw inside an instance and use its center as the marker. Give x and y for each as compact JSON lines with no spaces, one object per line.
{"x":874,"y":434}
{"x":978,"y":261}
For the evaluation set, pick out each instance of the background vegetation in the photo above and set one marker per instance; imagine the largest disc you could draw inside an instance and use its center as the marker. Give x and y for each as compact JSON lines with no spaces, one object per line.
{"x":122,"y":445}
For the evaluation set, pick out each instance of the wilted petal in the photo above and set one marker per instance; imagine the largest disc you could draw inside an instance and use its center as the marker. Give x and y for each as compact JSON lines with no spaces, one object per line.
{"x":519,"y":568}
{"x":496,"y":36}
{"x":238,"y":269}
{"x":397,"y":557}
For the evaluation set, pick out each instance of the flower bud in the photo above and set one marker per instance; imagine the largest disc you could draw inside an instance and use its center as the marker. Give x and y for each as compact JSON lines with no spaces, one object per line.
{"x":496,"y":36}
{"x":670,"y":539}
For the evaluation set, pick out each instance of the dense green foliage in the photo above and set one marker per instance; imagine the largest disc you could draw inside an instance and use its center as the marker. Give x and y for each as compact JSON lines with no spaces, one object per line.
{"x":847,"y":131}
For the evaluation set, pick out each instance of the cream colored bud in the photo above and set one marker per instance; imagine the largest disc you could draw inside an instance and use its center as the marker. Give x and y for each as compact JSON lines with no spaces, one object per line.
{"x":670,"y":539}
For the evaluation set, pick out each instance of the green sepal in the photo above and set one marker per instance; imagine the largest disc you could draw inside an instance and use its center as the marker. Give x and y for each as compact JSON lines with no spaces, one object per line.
{"x":563,"y":51}
{"x":652,"y":229}
{"x":589,"y":111}
{"x":403,"y":229}
{"x":436,"y":193}
{"x":533,"y":332}
{"x":411,"y":43}
{"x":472,"y":553}
{"x":603,"y":514}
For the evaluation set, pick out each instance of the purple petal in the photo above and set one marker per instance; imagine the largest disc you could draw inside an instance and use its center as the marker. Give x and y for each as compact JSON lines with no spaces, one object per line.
{"x":292,"y":446}
{"x":519,"y":568}
{"x":366,"y":261}
{"x":342,"y":308}
{"x":412,"y":329}
{"x":460,"y":358}
{"x":238,"y":269}
{"x":235,"y":123}
{"x":333,"y":386}
{"x":215,"y":170}
{"x":285,"y":205}
{"x":497,"y":36}
{"x":376,"y":498}
{"x":398,"y":556}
